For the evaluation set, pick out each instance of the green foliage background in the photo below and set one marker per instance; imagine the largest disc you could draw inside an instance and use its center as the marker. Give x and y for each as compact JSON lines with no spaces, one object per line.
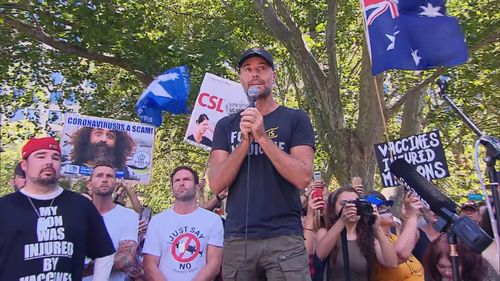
{"x":121,"y":44}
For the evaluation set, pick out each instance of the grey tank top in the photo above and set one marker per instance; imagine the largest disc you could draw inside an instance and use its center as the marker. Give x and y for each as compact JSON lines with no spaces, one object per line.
{"x":357,"y":264}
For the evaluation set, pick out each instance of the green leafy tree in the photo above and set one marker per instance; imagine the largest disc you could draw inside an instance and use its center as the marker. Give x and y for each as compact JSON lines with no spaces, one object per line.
{"x":325,"y":41}
{"x":108,"y":51}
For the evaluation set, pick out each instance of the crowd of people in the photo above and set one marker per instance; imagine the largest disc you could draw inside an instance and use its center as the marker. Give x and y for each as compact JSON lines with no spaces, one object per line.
{"x":386,"y":248}
{"x":278,"y":226}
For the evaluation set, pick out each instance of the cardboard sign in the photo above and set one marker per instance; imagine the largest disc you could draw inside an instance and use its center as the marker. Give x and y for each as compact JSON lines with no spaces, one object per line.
{"x":424,"y":152}
{"x":218,"y":98}
{"x":128,"y":146}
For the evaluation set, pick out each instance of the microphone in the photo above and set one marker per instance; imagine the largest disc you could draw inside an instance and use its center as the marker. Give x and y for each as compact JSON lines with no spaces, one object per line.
{"x":464,"y":227}
{"x":436,"y":200}
{"x":253,"y":92}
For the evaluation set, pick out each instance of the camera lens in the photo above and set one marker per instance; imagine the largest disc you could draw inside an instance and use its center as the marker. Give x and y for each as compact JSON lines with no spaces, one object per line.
{"x":364,"y":208}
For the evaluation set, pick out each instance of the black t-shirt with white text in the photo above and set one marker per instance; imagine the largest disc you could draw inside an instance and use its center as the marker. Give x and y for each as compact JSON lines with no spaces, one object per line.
{"x":54,"y":246}
{"x":274,"y":202}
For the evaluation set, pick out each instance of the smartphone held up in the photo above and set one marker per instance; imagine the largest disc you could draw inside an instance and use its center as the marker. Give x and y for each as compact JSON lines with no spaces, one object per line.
{"x":318,"y":188}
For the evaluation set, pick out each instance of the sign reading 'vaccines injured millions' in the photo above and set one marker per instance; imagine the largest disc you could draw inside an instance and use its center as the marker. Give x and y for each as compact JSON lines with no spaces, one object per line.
{"x":424,"y":152}
{"x":87,"y":140}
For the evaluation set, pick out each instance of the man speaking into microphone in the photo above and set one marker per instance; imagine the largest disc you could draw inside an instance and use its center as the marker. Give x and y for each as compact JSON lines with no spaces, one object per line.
{"x":264,"y":155}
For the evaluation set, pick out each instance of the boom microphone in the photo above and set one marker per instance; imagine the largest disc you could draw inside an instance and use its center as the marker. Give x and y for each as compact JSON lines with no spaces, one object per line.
{"x":436,"y":200}
{"x":464,"y":227}
{"x":253,"y":92}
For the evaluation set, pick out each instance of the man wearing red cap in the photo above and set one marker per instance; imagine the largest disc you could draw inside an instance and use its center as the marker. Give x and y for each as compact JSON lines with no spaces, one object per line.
{"x":45,"y":231}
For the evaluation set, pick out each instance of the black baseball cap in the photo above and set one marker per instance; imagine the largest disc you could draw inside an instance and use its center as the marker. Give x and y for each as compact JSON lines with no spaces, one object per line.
{"x":256,"y":52}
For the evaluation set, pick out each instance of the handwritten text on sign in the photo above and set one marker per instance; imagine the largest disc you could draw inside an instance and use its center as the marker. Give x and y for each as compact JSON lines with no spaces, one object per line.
{"x":424,"y":152}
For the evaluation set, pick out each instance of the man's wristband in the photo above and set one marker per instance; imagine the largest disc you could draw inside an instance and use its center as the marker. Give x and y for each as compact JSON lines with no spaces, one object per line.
{"x":218,"y":198}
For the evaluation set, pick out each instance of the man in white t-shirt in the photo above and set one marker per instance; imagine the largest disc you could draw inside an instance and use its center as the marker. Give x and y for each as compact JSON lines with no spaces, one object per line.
{"x":121,"y":222}
{"x":184,"y":242}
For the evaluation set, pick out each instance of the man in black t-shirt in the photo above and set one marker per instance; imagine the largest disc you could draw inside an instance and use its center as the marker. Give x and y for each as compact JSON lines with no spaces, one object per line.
{"x":45,"y":231}
{"x":264,"y":155}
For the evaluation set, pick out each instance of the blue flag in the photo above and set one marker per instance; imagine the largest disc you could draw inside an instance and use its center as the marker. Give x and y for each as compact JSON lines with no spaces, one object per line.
{"x":412,"y":35}
{"x":168,"y":92}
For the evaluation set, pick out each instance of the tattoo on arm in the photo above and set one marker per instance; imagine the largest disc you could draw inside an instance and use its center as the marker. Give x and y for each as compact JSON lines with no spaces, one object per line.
{"x":125,"y":255}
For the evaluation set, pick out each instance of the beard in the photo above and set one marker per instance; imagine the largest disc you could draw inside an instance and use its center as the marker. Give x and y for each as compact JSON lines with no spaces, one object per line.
{"x":103,"y":193}
{"x":101,"y":152}
{"x":186,"y":196}
{"x":263,"y":94}
{"x":267,"y":92}
{"x":47,"y":181}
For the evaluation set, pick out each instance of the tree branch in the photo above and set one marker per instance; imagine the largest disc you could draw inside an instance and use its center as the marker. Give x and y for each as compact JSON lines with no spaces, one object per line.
{"x":285,"y":15}
{"x":417,"y":88}
{"x":491,"y":38}
{"x":279,"y":29}
{"x":331,"y":45}
{"x":291,"y":37}
{"x":70,"y":49}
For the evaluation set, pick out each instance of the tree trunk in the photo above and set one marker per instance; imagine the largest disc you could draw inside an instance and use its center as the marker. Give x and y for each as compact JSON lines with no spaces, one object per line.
{"x":369,"y":128}
{"x":350,"y":151}
{"x":412,"y":114}
{"x":411,"y":125}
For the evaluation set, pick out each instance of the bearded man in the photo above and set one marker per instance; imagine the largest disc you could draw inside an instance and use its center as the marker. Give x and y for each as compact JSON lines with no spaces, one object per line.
{"x":46,"y":232}
{"x":92,"y":145}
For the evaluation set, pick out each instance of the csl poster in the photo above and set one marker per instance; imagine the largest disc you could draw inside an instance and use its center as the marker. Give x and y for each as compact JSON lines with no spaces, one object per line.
{"x":218,"y":98}
{"x":424,"y":152}
{"x":87,"y":140}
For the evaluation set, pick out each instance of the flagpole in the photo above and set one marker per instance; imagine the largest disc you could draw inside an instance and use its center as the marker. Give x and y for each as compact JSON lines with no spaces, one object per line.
{"x":384,"y":122}
{"x":367,"y":41}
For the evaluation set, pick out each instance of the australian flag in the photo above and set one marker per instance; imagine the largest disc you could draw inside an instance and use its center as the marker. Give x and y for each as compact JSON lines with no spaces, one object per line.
{"x":168,"y":92}
{"x":412,"y":35}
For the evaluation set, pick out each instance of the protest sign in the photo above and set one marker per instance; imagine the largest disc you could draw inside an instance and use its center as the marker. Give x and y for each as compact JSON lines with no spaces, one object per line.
{"x":424,"y":152}
{"x":128,"y":146}
{"x":218,"y":98}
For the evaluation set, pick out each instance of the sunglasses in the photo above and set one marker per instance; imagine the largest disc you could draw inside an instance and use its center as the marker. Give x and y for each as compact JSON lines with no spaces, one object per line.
{"x":384,"y":209}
